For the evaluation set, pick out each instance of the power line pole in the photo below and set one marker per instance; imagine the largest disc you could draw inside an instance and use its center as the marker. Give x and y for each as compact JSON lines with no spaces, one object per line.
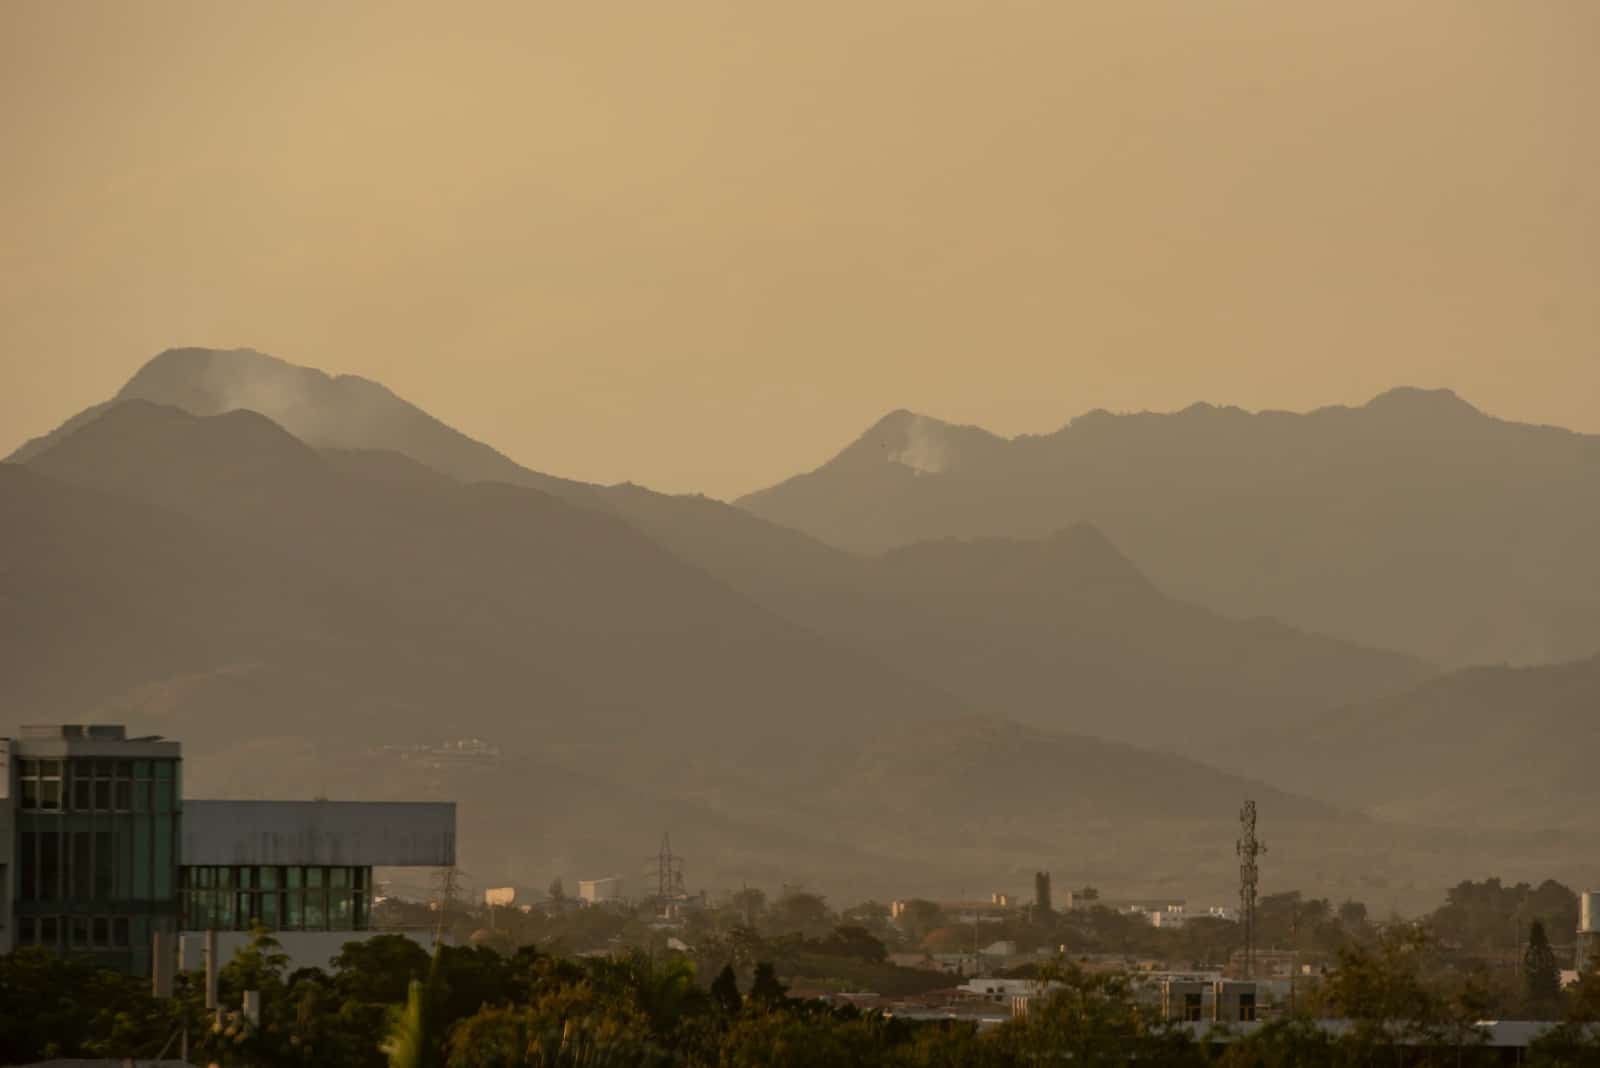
{"x":447,"y":895}
{"x":1248,"y":848}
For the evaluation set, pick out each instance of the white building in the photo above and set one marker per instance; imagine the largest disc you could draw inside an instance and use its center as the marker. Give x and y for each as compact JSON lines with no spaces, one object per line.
{"x":599,"y":891}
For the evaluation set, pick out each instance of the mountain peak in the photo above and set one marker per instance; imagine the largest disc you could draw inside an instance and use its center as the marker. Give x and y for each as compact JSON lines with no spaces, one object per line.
{"x":1413,"y":400}
{"x":919,"y":443}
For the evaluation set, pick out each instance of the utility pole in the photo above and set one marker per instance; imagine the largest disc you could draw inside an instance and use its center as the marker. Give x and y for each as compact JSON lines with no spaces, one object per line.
{"x":1248,"y":848}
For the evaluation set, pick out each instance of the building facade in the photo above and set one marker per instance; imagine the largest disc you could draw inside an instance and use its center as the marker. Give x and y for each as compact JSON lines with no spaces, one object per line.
{"x":92,"y":820}
{"x":104,"y":853}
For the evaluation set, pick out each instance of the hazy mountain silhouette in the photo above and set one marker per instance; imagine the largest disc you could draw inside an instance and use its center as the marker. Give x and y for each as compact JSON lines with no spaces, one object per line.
{"x":1493,"y":747}
{"x":1065,"y":631}
{"x":218,"y":580}
{"x":1062,"y":631}
{"x":1414,"y":522}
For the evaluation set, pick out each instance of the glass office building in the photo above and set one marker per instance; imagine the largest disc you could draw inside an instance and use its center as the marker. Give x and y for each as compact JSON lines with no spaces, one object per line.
{"x":103,"y":852}
{"x":94,"y":821}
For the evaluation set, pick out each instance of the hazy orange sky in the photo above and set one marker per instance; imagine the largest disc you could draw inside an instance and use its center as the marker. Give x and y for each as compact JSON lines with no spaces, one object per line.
{"x":702,"y":245}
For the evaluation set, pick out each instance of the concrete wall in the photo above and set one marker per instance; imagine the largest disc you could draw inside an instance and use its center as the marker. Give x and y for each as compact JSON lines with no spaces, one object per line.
{"x":305,"y":949}
{"x":355,"y":833}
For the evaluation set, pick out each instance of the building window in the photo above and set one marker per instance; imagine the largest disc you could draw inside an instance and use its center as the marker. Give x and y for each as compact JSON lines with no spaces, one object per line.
{"x":296,"y":897}
{"x":1247,"y":1007}
{"x":41,"y":785}
{"x":119,"y":931}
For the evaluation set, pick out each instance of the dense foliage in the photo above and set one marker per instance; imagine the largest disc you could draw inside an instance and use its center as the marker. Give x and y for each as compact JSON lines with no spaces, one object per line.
{"x":722,"y":992}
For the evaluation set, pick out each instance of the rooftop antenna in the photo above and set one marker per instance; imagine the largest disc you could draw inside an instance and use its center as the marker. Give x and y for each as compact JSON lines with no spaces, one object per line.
{"x":1248,"y":848}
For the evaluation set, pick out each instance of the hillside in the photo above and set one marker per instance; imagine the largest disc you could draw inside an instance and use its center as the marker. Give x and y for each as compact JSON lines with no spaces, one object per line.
{"x":1012,"y":627}
{"x":1066,"y":632}
{"x":1414,"y":522}
{"x":556,"y":618}
{"x":1492,"y":747}
{"x":288,"y":611}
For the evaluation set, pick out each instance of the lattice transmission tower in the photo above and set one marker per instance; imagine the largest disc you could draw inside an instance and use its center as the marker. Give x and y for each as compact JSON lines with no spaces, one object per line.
{"x":1249,"y":848}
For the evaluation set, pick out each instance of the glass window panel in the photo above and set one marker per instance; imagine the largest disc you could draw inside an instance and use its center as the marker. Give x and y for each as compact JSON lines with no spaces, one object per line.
{"x":27,"y":931}
{"x":30,"y":769}
{"x":101,"y":931}
{"x":269,"y":878}
{"x":124,"y":862}
{"x":49,"y":931}
{"x":119,"y":930}
{"x":316,"y":910}
{"x":141,"y":796}
{"x":269,"y":910}
{"x":141,"y":860}
{"x":362,"y":917}
{"x":313,"y":876}
{"x":104,"y":768}
{"x":80,"y":931}
{"x":50,"y":794}
{"x":141,"y":769}
{"x":30,"y":793}
{"x":49,"y":865}
{"x":82,"y":864}
{"x":124,"y":795}
{"x":295,"y":877}
{"x":294,"y":916}
{"x":339,"y":878}
{"x":342,"y":912}
{"x":225,"y":878}
{"x":102,"y":794}
{"x":164,"y":770}
{"x":28,"y":865}
{"x":163,"y":797}
{"x":244,"y":910}
{"x":50,"y":769}
{"x":164,"y":863}
{"x":82,"y":794}
{"x":104,"y":865}
{"x":124,"y":769}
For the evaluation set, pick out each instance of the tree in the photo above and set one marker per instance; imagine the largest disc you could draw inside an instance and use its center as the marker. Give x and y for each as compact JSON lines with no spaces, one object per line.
{"x":765,"y":990}
{"x":725,"y":991}
{"x":799,"y":911}
{"x":1353,"y":915}
{"x":1540,"y":973}
{"x":748,"y":904}
{"x":1096,"y":1018}
{"x":852,"y":941}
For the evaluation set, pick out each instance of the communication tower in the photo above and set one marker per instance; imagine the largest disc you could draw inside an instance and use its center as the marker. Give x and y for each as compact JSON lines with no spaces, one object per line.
{"x":1248,"y":848}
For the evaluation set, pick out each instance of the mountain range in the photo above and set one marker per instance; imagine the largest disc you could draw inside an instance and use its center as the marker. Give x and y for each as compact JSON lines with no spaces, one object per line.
{"x":1415,"y":522}
{"x":290,"y":570}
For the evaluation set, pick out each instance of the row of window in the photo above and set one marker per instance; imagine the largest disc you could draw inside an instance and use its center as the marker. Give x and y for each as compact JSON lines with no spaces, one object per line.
{"x":136,"y":861}
{"x":272,"y":877}
{"x":73,"y":932}
{"x":290,"y":898}
{"x":286,"y":910}
{"x":82,"y":785}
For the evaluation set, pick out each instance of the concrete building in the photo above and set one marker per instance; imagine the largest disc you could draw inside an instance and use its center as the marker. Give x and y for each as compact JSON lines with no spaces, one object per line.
{"x":599,"y":891}
{"x":1588,"y":931}
{"x":107,"y":853}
